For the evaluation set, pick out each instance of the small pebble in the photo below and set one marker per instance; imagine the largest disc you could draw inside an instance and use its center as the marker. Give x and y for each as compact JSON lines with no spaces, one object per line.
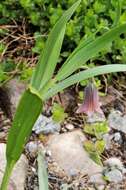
{"x":48,"y":153}
{"x":69,"y":126}
{"x":114,"y":176}
{"x":32,"y":148}
{"x":101,"y":187}
{"x":96,"y":117}
{"x":114,"y":163}
{"x":45,"y":125}
{"x":64,"y":130}
{"x":64,"y":186}
{"x":107,"y":138}
{"x":117,"y":137}
{"x":97,"y":178}
{"x":117,"y":121}
{"x":33,"y":169}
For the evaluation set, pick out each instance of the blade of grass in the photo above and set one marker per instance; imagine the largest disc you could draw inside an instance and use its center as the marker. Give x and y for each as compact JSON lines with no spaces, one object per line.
{"x":42,"y":172}
{"x":50,"y":55}
{"x":89,"y":73}
{"x":87,"y":52}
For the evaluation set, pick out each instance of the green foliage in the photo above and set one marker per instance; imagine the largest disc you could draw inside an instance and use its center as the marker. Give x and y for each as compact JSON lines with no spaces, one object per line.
{"x":26,"y":74}
{"x":43,"y":81}
{"x":75,"y":78}
{"x":58,"y":113}
{"x":3,"y":76}
{"x":5,"y":68}
{"x":97,"y":129}
{"x":49,"y":58}
{"x":91,"y":16}
{"x":39,"y":43}
{"x":8,"y":65}
{"x":95,"y":150}
{"x":2,"y":47}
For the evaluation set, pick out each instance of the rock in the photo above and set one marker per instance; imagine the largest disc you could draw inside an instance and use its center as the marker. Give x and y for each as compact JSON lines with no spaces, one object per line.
{"x":96,"y":117}
{"x":97,"y":178}
{"x":19,"y":172}
{"x":64,"y":186}
{"x":114,"y":163}
{"x":68,"y":152}
{"x":107,"y":138}
{"x":117,"y":121}
{"x":117,"y":137}
{"x":101,"y":187}
{"x":69,"y":126}
{"x":15,"y":88}
{"x":114,"y":170}
{"x":114,"y":176}
{"x":33,"y":148}
{"x":46,"y":125}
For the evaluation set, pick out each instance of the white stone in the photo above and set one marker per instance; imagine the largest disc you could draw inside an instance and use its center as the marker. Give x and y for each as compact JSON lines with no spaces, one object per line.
{"x":15,"y":89}
{"x":117,"y":121}
{"x":46,"y":125}
{"x":69,"y":126}
{"x":107,"y":138}
{"x":96,"y":117}
{"x":32,"y":148}
{"x":68,"y":151}
{"x":114,"y":162}
{"x":117,"y":137}
{"x":97,"y":178}
{"x":19,"y":172}
{"x":114,"y":176}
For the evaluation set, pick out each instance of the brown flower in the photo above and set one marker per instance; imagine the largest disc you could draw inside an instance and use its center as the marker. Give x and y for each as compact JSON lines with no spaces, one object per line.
{"x":91,"y":102}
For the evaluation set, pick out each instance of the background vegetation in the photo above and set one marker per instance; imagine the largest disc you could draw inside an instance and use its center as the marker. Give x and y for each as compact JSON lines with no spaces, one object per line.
{"x":31,"y":20}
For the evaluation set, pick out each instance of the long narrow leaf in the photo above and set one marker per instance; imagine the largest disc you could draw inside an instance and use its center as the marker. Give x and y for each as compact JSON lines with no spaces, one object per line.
{"x":83,"y":43}
{"x":29,"y":108}
{"x":82,"y":76}
{"x":50,"y":55}
{"x":42,"y":172}
{"x":88,"y":51}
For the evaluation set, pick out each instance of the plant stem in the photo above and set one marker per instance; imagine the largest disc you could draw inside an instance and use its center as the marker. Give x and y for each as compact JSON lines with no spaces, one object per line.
{"x":6,"y":177}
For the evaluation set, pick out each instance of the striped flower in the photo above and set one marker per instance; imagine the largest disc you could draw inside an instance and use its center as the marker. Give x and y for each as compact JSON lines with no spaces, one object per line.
{"x":91,"y":102}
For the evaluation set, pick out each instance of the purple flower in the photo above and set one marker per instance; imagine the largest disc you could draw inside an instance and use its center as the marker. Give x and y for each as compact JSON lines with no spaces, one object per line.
{"x":91,"y":102}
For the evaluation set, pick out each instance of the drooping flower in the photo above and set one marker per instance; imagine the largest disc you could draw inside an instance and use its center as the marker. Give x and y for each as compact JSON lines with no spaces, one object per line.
{"x":91,"y":102}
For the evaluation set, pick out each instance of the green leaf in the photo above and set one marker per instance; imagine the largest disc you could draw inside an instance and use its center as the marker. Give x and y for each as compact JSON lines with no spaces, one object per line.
{"x":89,"y":146}
{"x":58,"y":113}
{"x":91,"y":149}
{"x":96,"y":158}
{"x":89,"y":129}
{"x":100,"y":146}
{"x":50,"y":55}
{"x":28,"y":110}
{"x":87,"y":52}
{"x":101,"y":128}
{"x":97,"y":129}
{"x":89,"y":73}
{"x":84,"y":42}
{"x":42,"y":172}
